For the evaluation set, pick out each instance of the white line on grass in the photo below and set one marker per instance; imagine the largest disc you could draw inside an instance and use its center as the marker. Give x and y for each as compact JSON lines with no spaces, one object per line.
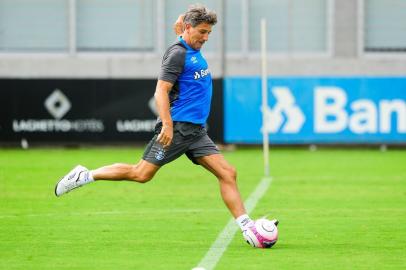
{"x":217,"y":249}
{"x":107,"y":213}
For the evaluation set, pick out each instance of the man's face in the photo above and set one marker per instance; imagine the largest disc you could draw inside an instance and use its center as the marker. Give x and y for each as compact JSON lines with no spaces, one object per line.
{"x":198,"y":34}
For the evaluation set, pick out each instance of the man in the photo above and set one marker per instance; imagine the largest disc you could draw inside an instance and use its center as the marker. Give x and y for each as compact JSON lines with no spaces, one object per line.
{"x":183,"y":95}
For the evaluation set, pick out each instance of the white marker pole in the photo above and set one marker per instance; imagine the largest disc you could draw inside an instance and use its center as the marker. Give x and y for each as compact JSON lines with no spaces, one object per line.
{"x":265,"y":139}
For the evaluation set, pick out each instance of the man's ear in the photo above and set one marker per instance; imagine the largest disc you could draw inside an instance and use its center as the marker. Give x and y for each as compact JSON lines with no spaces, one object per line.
{"x":188,"y":26}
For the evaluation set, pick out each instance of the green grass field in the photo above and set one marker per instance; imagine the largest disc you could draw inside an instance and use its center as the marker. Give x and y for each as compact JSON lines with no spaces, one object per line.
{"x":338,"y":209}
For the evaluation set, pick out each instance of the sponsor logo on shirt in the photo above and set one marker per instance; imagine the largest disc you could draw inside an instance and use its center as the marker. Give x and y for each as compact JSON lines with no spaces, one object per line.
{"x":201,"y":74}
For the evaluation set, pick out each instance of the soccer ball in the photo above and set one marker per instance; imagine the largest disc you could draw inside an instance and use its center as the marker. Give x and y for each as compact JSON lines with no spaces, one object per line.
{"x":263,"y":233}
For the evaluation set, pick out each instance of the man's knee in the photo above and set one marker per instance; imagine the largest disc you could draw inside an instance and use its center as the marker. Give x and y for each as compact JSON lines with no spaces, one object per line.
{"x":229,"y":174}
{"x":145,"y":178}
{"x":141,"y":176}
{"x":232,"y":172}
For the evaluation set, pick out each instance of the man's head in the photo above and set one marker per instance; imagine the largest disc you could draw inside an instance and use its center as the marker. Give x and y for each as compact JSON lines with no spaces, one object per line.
{"x":198,"y":21}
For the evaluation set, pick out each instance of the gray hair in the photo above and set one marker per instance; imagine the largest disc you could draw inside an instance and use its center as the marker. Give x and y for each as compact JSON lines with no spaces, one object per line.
{"x":198,"y":14}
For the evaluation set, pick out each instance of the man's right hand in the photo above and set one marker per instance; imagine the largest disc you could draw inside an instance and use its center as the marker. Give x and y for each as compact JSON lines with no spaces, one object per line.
{"x":178,"y":26}
{"x":166,"y":135}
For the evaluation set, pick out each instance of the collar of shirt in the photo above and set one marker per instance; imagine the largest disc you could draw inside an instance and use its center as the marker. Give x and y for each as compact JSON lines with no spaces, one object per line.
{"x":186,"y":45}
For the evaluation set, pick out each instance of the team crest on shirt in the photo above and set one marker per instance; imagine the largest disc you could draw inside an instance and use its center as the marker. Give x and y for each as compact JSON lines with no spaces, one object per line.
{"x":193,"y":59}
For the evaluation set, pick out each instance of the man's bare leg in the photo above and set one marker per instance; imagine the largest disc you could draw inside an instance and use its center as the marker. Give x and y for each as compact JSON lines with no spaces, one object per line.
{"x":142,"y":172}
{"x":227,"y":176}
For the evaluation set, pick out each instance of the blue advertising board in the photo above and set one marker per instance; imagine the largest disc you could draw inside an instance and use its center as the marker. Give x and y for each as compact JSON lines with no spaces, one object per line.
{"x":305,"y":110}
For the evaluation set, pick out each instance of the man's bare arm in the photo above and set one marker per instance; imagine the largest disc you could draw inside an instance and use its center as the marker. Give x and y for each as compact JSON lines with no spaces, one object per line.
{"x":162,"y":102}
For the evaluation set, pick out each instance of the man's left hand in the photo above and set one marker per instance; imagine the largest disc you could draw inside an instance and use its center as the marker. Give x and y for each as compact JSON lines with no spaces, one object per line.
{"x":166,"y":136}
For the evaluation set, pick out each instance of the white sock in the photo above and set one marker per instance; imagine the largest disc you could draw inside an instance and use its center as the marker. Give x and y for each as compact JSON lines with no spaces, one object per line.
{"x":90,"y":176}
{"x":86,"y":177}
{"x":243,"y":221}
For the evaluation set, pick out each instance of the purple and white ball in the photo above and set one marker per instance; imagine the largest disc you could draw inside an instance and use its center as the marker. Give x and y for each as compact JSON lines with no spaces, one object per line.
{"x":262,"y":233}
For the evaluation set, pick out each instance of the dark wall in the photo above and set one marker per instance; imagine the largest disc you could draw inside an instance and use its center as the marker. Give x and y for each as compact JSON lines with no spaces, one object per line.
{"x":86,"y":110}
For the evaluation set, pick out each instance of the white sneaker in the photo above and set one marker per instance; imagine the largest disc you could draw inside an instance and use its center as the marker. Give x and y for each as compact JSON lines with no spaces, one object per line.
{"x":70,"y":181}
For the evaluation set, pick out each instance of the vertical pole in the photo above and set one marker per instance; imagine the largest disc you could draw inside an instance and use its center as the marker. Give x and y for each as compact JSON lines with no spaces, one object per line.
{"x":160,"y":27}
{"x":222,"y":38}
{"x":244,"y":27}
{"x":72,"y":27}
{"x":265,"y":140}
